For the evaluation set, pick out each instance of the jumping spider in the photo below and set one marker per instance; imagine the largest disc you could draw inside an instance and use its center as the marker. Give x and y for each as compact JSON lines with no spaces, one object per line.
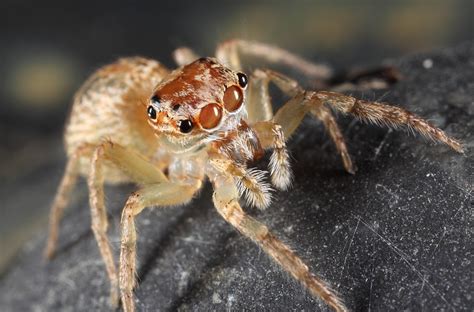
{"x":134,"y":120}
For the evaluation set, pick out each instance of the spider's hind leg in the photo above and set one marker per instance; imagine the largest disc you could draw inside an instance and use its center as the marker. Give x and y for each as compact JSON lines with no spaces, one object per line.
{"x":184,"y":55}
{"x":229,"y":52}
{"x":61,"y":200}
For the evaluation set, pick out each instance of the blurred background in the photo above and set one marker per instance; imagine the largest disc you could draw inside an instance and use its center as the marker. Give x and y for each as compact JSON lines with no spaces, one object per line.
{"x":48,"y":48}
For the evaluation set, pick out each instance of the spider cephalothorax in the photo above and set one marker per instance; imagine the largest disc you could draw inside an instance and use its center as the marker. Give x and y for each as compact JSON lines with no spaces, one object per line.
{"x":197,"y":104}
{"x":169,"y":131}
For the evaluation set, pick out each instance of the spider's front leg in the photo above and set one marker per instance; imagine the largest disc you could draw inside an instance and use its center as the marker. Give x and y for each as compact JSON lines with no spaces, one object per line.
{"x":290,"y":115}
{"x":162,"y":194}
{"x":226,"y":201}
{"x":381,"y":114}
{"x":140,"y":171}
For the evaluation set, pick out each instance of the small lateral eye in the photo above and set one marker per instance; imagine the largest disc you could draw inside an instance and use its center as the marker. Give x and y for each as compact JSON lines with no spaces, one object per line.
{"x":176,"y":107}
{"x":185,"y":126}
{"x":151,"y":112}
{"x":155,"y":99}
{"x":233,"y":98}
{"x":243,"y":80}
{"x":210,"y":116}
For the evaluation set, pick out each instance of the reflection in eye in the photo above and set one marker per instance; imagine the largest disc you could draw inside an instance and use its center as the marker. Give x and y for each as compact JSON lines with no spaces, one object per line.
{"x":210,"y":116}
{"x":242,"y":79}
{"x":151,"y":112}
{"x":233,"y":98}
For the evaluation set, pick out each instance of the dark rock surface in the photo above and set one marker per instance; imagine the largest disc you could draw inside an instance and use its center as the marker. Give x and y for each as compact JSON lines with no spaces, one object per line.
{"x":396,"y":236}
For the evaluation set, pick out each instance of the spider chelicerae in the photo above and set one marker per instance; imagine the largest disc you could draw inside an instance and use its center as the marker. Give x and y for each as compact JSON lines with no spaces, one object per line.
{"x":167,"y":131}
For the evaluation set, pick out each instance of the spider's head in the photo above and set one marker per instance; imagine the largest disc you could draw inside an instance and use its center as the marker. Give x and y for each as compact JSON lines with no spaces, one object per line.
{"x":196,"y":103}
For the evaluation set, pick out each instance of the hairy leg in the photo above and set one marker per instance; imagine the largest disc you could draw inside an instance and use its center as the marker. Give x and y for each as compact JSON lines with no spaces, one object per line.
{"x":184,"y":55}
{"x":163,"y":194}
{"x":323,"y":113}
{"x":61,"y":200}
{"x":229,"y":53}
{"x":292,"y":113}
{"x":381,"y":114}
{"x":140,"y":171}
{"x":226,"y":201}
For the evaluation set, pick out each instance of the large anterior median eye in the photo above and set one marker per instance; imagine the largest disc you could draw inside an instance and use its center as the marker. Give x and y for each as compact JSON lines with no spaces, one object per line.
{"x":233,"y":98}
{"x":210,"y":116}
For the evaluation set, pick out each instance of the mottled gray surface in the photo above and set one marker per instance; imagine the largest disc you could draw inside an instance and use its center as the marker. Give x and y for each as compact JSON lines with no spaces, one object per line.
{"x":396,"y":236}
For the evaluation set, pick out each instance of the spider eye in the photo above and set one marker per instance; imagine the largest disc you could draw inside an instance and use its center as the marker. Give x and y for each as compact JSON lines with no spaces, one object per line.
{"x":151,"y":112}
{"x":176,"y":107}
{"x":243,"y":81}
{"x":185,"y":126}
{"x":233,"y":98}
{"x":155,"y":100}
{"x":210,"y":116}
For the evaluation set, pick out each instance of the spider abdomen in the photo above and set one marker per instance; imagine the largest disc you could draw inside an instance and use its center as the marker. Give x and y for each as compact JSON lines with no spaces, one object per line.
{"x":111,"y":105}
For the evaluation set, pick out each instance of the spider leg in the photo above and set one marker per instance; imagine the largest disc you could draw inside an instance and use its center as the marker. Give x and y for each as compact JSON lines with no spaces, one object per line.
{"x":271,"y":135}
{"x":61,"y":200}
{"x":381,"y":114}
{"x":140,"y":171}
{"x":229,"y":53}
{"x":258,"y":102}
{"x":291,"y":114}
{"x":226,"y":202}
{"x":184,"y":55}
{"x":162,"y":194}
{"x":329,"y":121}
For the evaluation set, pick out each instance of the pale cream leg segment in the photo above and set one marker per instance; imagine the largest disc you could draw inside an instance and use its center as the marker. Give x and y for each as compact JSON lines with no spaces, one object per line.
{"x":258,"y":101}
{"x":140,"y":171}
{"x":226,"y":201}
{"x":61,"y":200}
{"x":184,"y":55}
{"x":163,"y":194}
{"x":228,"y":53}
